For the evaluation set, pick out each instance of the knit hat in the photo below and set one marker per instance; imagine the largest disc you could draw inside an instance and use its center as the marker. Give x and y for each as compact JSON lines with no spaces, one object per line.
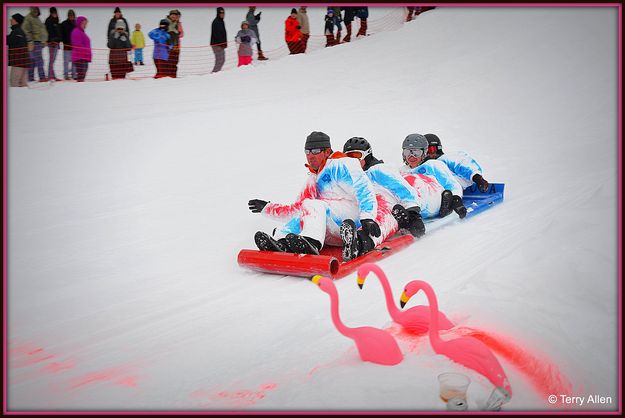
{"x":317,"y":140}
{"x":18,"y":18}
{"x":117,"y":10}
{"x":245,"y":22}
{"x":175,"y":12}
{"x":293,"y":11}
{"x":163,"y":22}
{"x":120,"y":24}
{"x":220,"y":9}
{"x":53,"y":10}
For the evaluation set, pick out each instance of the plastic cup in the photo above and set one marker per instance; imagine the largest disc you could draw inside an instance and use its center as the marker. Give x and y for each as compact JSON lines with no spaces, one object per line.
{"x":498,"y":397}
{"x":453,"y":386}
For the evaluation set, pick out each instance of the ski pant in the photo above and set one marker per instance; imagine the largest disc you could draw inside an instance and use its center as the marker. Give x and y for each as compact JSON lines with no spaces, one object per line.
{"x":68,"y":65}
{"x":53,"y":48}
{"x":220,"y":57}
{"x":243,"y":60}
{"x":363,"y":28}
{"x":81,"y":69}
{"x":321,"y":220}
{"x":172,"y":62}
{"x":160,"y":68}
{"x":36,"y":58}
{"x":385,"y":218}
{"x":138,"y":55}
{"x":304,"y":41}
{"x":430,"y":193}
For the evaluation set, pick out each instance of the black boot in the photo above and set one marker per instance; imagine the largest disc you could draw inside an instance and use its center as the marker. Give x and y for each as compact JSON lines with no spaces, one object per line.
{"x":350,"y":240}
{"x":265,"y":242}
{"x":401,"y":216}
{"x":458,"y":206}
{"x":364,"y":243}
{"x":446,"y":199}
{"x":409,"y":219}
{"x":300,"y":244}
{"x":481,"y":183}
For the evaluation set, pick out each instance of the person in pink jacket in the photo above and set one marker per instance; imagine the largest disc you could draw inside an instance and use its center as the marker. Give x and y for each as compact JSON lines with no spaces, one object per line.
{"x":81,"y":48}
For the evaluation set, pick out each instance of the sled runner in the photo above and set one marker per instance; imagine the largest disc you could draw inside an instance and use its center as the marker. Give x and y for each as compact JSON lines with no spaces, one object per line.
{"x":330,"y":263}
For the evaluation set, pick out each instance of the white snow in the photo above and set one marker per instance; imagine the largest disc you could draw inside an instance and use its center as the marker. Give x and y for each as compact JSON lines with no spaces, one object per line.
{"x":127,"y":206}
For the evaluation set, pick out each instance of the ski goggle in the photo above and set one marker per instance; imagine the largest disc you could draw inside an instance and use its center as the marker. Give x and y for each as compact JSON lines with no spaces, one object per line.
{"x":415,"y":152}
{"x":314,"y":151}
{"x":361,"y":155}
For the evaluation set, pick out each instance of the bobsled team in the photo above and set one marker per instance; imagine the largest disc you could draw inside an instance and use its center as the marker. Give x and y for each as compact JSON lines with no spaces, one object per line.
{"x":356,"y":201}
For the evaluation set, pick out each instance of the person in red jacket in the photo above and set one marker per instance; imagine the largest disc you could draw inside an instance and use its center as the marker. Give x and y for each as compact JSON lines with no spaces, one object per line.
{"x":292,"y":33}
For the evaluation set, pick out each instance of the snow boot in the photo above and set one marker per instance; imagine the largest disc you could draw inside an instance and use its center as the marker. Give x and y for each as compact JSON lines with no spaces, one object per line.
{"x":446,"y":199}
{"x":364,"y":243}
{"x":458,"y":206}
{"x":481,"y":183}
{"x":349,"y":237}
{"x":409,"y":219}
{"x":300,"y":244}
{"x":265,"y":242}
{"x":261,"y":56}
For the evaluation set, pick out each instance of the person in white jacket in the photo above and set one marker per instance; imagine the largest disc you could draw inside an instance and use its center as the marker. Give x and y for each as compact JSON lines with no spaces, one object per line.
{"x":337,"y":189}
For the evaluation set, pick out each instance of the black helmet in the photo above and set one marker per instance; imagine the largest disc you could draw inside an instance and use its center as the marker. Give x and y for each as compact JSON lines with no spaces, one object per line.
{"x":434,"y":141}
{"x":356,"y":144}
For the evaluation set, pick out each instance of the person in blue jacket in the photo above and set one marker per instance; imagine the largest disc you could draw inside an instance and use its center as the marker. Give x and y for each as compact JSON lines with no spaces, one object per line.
{"x":414,"y":152}
{"x":337,"y":189}
{"x":395,"y":196}
{"x":464,"y":167}
{"x":161,"y":39}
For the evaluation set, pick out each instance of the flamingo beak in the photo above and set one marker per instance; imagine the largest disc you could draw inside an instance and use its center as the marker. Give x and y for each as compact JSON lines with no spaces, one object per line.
{"x":360,"y":281}
{"x":315,"y":279}
{"x":403,"y":299}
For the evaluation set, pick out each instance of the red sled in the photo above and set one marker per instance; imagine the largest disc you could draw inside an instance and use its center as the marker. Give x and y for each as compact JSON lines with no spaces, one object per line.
{"x":329,"y":263}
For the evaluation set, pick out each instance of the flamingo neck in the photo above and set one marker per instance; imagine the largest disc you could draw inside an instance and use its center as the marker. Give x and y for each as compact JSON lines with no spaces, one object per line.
{"x":388,"y":294}
{"x":435,"y":338}
{"x":334,"y":311}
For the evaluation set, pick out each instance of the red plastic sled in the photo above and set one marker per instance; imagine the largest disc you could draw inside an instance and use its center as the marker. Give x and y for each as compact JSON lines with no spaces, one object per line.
{"x":329,"y":263}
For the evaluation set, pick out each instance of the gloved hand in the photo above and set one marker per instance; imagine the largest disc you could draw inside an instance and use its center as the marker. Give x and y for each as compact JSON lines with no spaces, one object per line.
{"x":245,"y":38}
{"x":258,"y":16}
{"x":256,"y":205}
{"x":31,"y":46}
{"x":298,"y":27}
{"x":370,"y":227}
{"x":481,"y":183}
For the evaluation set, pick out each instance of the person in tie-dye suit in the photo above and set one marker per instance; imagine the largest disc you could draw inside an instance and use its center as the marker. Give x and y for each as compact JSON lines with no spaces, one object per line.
{"x":337,"y":189}
{"x":414,"y":151}
{"x":464,"y":167}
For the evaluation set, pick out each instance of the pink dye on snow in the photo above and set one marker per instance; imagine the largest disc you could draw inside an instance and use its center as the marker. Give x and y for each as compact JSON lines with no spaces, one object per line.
{"x":57,"y":367}
{"x":116,"y":376}
{"x":239,"y":398}
{"x":23,"y":355}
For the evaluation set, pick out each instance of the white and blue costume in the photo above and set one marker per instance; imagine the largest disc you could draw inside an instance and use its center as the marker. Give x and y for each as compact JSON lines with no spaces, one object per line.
{"x":462,"y":165}
{"x":439,"y":170}
{"x":339,"y":190}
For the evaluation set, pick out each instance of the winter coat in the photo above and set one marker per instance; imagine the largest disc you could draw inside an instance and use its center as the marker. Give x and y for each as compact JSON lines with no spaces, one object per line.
{"x":66,"y":33}
{"x":438,"y":170}
{"x":329,"y":25}
{"x":218,"y":33}
{"x":292,"y":31}
{"x":161,"y":43}
{"x":119,"y":40}
{"x":34,"y":29}
{"x":54,"y":29}
{"x":389,"y":182}
{"x":245,"y":44}
{"x":18,"y":48}
{"x":302,"y":18}
{"x":137,"y":39}
{"x":81,"y":44}
{"x":252,"y":21}
{"x":174,"y":32}
{"x":463,"y":166}
{"x":363,"y":13}
{"x":119,"y":43}
{"x":112,"y":24}
{"x":342,"y":180}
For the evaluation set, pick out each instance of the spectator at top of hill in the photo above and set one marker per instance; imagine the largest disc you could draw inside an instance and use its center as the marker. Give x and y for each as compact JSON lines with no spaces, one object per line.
{"x":302,"y":18}
{"x":67,"y":26}
{"x":348,"y":18}
{"x":252,"y":21}
{"x":219,"y":40}
{"x":292,"y":33}
{"x":117,"y":15}
{"x":54,"y":39}
{"x":19,"y":59}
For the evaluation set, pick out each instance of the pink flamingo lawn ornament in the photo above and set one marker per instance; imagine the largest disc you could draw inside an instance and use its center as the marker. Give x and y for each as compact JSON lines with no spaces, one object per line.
{"x":415,"y":319}
{"x":468,"y":351}
{"x":373,"y":344}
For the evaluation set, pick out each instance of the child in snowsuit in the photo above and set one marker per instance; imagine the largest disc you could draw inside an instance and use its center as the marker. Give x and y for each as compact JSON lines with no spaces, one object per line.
{"x":161,"y":47}
{"x":138,"y":43}
{"x":245,"y":39}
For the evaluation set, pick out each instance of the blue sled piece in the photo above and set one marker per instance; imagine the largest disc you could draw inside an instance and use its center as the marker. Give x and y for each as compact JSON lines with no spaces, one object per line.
{"x":476,"y":201}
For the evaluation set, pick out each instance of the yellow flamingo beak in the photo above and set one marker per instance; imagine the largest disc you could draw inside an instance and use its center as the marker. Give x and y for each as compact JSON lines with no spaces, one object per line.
{"x":315,"y":279}
{"x":360,"y":281}
{"x":403,"y":299}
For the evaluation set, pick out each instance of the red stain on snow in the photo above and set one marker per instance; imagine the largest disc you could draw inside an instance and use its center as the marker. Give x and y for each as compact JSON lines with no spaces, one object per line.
{"x":58,"y":367}
{"x":413,"y":339}
{"x":239,"y":398}
{"x":26,"y":354}
{"x":116,"y":376}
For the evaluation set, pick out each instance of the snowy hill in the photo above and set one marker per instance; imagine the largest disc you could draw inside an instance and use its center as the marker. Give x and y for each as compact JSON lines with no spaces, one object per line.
{"x":127,"y":206}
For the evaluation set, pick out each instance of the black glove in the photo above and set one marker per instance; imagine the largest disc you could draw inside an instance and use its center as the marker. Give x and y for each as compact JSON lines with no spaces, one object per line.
{"x":298,"y":27}
{"x":256,"y":205}
{"x":481,"y":183}
{"x":245,"y":38}
{"x":370,"y":227}
{"x":258,"y":16}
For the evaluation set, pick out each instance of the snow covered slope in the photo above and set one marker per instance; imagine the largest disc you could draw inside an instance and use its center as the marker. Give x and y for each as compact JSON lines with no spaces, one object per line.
{"x":127,"y":205}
